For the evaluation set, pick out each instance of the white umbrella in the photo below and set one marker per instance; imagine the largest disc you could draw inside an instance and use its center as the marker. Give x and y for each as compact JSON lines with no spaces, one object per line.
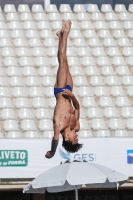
{"x":71,"y":176}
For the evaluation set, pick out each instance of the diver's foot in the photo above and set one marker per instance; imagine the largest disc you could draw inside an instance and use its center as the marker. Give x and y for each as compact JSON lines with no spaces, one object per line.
{"x":67,"y":26}
{"x":63,"y":25}
{"x":58,"y":33}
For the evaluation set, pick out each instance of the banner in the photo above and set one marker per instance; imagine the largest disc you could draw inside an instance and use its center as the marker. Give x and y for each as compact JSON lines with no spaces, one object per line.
{"x":25,"y":158}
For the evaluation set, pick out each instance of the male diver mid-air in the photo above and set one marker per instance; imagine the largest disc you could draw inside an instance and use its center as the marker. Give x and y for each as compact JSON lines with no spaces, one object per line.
{"x":67,"y":109}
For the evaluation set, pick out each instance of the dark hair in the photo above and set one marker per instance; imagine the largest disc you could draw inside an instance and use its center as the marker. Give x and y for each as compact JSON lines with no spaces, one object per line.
{"x":69,"y":147}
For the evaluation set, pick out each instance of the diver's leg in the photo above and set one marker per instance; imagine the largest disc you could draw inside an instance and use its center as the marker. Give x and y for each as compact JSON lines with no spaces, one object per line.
{"x":62,"y":72}
{"x":69,"y":79}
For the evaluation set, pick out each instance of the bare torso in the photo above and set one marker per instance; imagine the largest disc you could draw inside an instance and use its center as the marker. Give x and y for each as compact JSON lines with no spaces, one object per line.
{"x":64,"y":114}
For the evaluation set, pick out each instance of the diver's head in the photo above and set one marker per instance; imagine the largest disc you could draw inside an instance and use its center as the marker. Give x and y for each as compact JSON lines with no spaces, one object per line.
{"x":70,"y":140}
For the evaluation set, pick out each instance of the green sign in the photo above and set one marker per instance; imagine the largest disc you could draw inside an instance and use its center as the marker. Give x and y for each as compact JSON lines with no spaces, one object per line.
{"x":13,"y":158}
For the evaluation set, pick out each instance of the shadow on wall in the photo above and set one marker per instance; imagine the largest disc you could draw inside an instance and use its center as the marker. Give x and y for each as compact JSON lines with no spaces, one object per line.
{"x":17,"y":2}
{"x":95,"y":194}
{"x":98,"y":2}
{"x":72,"y":2}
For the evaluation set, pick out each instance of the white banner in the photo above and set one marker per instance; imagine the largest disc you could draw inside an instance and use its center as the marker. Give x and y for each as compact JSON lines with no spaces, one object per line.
{"x":25,"y":158}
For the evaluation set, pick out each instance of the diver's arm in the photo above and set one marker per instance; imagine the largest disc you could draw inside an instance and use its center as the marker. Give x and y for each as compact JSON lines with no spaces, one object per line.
{"x":54,"y":142}
{"x":76,"y":106}
{"x":68,"y":93}
{"x":75,"y":102}
{"x":76,"y":112}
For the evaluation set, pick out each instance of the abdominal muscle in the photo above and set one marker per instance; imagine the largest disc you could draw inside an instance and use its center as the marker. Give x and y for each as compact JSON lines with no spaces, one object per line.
{"x":63,"y":112}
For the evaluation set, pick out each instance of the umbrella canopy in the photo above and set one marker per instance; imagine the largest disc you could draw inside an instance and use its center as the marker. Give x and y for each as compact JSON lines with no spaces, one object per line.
{"x":70,"y":176}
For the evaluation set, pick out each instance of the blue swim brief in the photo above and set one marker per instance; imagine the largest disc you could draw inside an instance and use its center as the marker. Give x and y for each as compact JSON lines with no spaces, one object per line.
{"x":58,"y":90}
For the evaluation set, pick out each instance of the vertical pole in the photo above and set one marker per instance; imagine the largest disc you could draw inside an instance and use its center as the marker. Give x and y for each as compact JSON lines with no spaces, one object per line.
{"x":76,"y":192}
{"x":46,"y":3}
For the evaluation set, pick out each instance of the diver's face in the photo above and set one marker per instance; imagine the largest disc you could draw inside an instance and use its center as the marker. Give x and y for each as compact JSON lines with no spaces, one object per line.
{"x":71,"y":136}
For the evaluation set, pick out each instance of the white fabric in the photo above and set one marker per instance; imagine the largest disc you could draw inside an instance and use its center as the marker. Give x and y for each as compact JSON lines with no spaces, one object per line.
{"x":75,"y":173}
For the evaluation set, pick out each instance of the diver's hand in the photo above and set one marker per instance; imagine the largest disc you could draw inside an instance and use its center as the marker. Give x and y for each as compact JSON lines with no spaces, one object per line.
{"x":67,"y":93}
{"x":49,"y":154}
